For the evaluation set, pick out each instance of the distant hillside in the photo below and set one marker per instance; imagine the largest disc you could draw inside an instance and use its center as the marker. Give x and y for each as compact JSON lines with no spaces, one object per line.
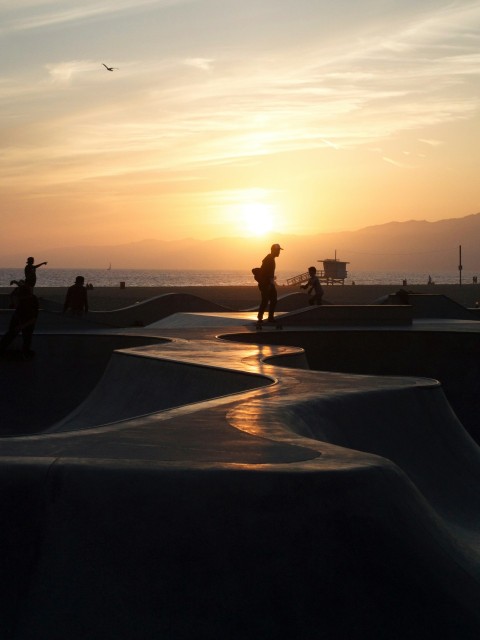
{"x":394,"y":246}
{"x":411,"y":246}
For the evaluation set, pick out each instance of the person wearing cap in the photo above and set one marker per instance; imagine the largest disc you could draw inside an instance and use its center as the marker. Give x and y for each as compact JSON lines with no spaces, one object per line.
{"x":76,"y":298}
{"x":266,"y":284}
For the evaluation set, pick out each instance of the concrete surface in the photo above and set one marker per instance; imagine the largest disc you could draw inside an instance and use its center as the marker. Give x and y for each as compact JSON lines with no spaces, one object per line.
{"x":435,"y":306}
{"x":448,"y":352}
{"x":67,"y":367}
{"x":136,"y":384}
{"x":349,"y":315}
{"x":296,"y":504}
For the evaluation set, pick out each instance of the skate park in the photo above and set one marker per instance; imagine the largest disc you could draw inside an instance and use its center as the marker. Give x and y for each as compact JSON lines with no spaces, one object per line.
{"x":195,"y":478}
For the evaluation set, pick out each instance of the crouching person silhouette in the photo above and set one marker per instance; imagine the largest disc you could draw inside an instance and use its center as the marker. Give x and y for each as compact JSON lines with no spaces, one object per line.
{"x":23,"y":321}
{"x":315,"y":289}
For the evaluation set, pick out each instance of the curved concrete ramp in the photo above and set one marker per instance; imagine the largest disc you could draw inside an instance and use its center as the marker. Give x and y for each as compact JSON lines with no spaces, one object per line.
{"x":326,"y":505}
{"x":429,"y":474}
{"x":343,"y":540}
{"x":138,"y":315}
{"x":286,"y":302}
{"x":434,"y":306}
{"x":212,"y":320}
{"x":148,"y":311}
{"x":66,"y":368}
{"x":348,"y":315}
{"x":49,"y":320}
{"x":152,"y":311}
{"x":412,"y":426}
{"x":134,"y":386}
{"x":311,"y":316}
{"x":451,"y":356}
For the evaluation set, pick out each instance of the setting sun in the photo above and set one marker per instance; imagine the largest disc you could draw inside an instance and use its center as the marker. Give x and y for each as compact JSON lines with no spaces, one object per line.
{"x":258,"y":218}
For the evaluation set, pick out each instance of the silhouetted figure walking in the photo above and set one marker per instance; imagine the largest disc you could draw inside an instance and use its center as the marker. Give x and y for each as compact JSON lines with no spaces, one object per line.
{"x":31,"y":272}
{"x":315,"y":289}
{"x":23,"y":321}
{"x":76,"y":298}
{"x":266,"y":284}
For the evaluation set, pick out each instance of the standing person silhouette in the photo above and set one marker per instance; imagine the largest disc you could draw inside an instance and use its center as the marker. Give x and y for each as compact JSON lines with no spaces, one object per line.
{"x":266,"y":284}
{"x":76,"y":298}
{"x":31,"y":272}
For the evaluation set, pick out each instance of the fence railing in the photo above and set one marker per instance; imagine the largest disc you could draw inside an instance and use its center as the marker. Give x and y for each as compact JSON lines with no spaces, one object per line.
{"x":303,"y":277}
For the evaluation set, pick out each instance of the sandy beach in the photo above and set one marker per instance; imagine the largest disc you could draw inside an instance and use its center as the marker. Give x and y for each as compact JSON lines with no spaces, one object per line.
{"x":240,"y":298}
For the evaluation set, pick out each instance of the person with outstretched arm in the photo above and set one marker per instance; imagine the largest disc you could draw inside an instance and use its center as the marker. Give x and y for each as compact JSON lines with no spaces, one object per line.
{"x":31,"y":272}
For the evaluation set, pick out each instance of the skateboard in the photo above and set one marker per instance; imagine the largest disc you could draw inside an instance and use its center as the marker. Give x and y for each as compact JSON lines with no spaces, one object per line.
{"x":274,"y":325}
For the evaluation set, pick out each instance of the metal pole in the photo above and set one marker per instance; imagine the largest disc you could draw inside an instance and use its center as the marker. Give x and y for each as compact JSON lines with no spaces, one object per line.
{"x":460,"y":263}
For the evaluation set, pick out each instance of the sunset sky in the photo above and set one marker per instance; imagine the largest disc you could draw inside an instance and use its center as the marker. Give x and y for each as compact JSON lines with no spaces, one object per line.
{"x":227,"y":118}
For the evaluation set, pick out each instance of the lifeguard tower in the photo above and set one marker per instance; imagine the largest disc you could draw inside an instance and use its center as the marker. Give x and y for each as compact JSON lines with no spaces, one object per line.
{"x":334,"y":272}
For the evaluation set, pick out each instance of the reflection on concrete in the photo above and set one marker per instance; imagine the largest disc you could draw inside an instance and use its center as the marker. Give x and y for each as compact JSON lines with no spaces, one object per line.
{"x":202,"y":490}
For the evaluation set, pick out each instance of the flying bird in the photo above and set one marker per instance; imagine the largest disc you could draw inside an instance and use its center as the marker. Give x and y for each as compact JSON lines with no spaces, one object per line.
{"x":109,"y":68}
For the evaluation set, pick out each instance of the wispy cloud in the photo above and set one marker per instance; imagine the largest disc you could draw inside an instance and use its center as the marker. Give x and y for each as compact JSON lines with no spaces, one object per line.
{"x":49,"y":13}
{"x":276,"y":101}
{"x":402,"y":165}
{"x":431,"y":143}
{"x":64,"y":72}
{"x":205,"y":64}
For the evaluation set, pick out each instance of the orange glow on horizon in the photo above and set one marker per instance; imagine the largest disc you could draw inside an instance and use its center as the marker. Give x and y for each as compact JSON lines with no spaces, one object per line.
{"x":341,"y":123}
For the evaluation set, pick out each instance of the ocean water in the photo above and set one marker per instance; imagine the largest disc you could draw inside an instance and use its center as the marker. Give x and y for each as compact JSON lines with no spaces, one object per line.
{"x":47,"y":277}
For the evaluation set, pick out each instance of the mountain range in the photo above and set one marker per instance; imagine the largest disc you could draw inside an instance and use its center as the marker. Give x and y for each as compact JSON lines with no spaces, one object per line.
{"x":394,"y":246}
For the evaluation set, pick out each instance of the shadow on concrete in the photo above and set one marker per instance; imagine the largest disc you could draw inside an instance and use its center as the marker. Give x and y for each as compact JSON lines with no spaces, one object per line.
{"x":65,"y":369}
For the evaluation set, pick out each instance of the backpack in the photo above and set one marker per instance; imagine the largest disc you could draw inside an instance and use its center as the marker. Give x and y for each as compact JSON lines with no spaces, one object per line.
{"x":257,"y":273}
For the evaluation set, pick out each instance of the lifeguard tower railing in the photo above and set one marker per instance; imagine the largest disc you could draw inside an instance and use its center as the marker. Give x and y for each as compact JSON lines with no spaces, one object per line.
{"x":334,"y":272}
{"x":302,"y":277}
